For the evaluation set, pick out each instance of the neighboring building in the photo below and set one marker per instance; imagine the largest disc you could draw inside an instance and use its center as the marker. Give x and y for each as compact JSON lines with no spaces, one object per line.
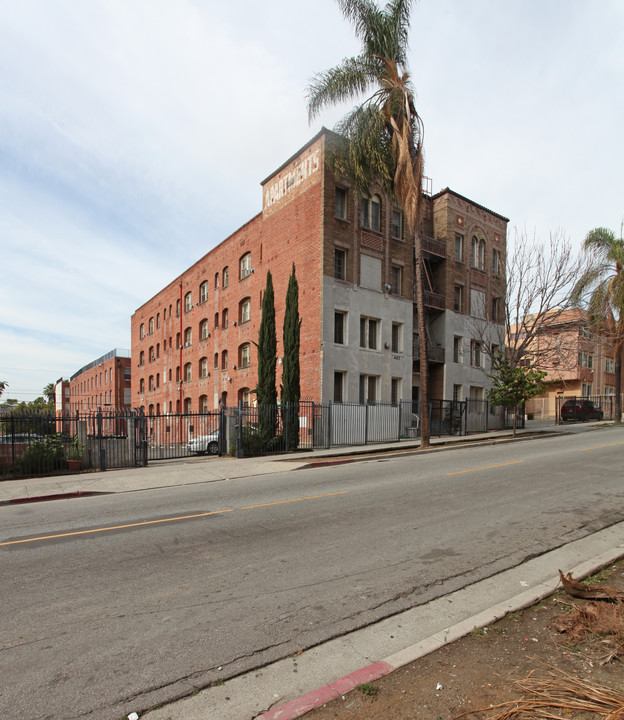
{"x":577,"y":361}
{"x":193,"y":344}
{"x":105,"y":382}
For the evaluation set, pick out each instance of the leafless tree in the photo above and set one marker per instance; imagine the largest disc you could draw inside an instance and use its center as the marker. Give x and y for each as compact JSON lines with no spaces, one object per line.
{"x":538,"y":303}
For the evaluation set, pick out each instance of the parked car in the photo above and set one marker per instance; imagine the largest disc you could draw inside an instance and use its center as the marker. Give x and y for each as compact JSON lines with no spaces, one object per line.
{"x":20,"y":438}
{"x":579,"y":409}
{"x":204,"y":444}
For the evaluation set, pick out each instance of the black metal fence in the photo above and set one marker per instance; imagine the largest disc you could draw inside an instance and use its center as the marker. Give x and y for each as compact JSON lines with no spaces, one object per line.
{"x":38,"y":443}
{"x":604,"y":403}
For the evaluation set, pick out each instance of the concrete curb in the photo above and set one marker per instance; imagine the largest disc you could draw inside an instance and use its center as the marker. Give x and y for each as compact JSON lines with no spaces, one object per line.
{"x":336,"y":689}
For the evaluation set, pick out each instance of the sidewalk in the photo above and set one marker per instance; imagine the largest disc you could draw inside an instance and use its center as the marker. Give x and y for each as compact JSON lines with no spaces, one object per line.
{"x":192,"y":470}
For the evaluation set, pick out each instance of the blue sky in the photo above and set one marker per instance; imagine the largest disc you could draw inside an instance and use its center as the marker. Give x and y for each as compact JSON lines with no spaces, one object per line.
{"x":134,"y":135}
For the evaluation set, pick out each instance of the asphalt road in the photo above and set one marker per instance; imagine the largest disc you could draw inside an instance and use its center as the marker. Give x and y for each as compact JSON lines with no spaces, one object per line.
{"x":117,"y":603}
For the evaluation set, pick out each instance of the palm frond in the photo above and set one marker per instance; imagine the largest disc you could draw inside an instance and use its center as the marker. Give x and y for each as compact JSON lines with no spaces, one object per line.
{"x":351,"y":78}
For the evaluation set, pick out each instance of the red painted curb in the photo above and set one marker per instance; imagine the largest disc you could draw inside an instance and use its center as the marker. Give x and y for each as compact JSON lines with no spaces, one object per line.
{"x":331,"y":691}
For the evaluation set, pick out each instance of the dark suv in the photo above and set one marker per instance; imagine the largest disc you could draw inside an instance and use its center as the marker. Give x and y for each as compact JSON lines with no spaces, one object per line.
{"x":580,"y":410}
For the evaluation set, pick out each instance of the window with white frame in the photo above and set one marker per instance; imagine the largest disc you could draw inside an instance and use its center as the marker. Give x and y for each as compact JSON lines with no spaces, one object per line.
{"x":203,"y":367}
{"x":397,"y":337}
{"x":188,"y":337}
{"x":203,"y":329}
{"x":244,"y":310}
{"x":188,"y":302}
{"x":476,"y":354}
{"x":459,"y":247}
{"x":226,"y":276}
{"x":203,"y":404}
{"x":370,"y":213}
{"x":142,"y":331}
{"x":244,"y":355}
{"x":396,"y":279}
{"x":245,"y":266}
{"x":397,"y":224}
{"x":610,"y":365}
{"x":478,"y":253}
{"x":369,"y":329}
{"x":203,"y":292}
{"x":151,"y":325}
{"x":188,"y":372}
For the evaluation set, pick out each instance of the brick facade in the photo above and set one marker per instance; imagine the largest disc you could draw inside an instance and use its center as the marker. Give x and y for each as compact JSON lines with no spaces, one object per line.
{"x":103,"y":382}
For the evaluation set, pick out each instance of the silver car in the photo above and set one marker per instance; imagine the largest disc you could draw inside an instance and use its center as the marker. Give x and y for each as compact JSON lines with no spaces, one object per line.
{"x":204,"y":444}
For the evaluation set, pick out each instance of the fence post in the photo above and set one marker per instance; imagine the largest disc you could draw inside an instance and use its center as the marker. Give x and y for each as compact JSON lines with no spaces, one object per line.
{"x":329,"y":424}
{"x":366,"y":425}
{"x":287,"y":422}
{"x":239,"y":434}
{"x":102,"y":451}
{"x":399,"y":421}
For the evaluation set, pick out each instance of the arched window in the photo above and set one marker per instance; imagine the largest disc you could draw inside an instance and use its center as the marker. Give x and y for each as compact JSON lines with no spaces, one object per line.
{"x":151,"y":325}
{"x":141,"y":385}
{"x":187,"y":372}
{"x":150,"y":354}
{"x":203,"y":330}
{"x":142,"y":358}
{"x":216,"y":360}
{"x":224,"y":319}
{"x":478,"y":253}
{"x":151,"y":383}
{"x":245,"y":266}
{"x":226,"y":277}
{"x":244,"y":396}
{"x":370,"y":213}
{"x":188,"y":337}
{"x":187,"y":406}
{"x":203,"y":367}
{"x":142,"y":331}
{"x":203,"y":292}
{"x":188,"y":301}
{"x":244,"y":355}
{"x":216,"y":322}
{"x":203,"y":404}
{"x":244,"y":310}
{"x":224,"y":360}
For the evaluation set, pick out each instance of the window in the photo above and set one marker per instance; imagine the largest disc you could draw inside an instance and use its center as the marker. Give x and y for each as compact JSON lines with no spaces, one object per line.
{"x":459,"y":247}
{"x":178,"y":308}
{"x":340,"y":327}
{"x":187,"y":406}
{"x":157,"y":320}
{"x":370,"y":215}
{"x":177,"y":373}
{"x":142,"y":331}
{"x":142,"y":358}
{"x":610,"y":365}
{"x":477,"y":303}
{"x":397,"y":279}
{"x":368,"y":333}
{"x":188,"y":336}
{"x":244,"y":395}
{"x":188,"y":302}
{"x":187,"y":372}
{"x":141,"y":386}
{"x":395,"y":390}
{"x":586,"y":360}
{"x":151,"y":325}
{"x":458,"y":352}
{"x":397,"y":224}
{"x":457,"y":393}
{"x":244,"y":356}
{"x":458,"y":298}
{"x":203,"y":404}
{"x":341,"y":203}
{"x":478,"y":253}
{"x":340,"y":264}
{"x":178,"y":345}
{"x":216,"y":281}
{"x":476,"y":394}
{"x":203,"y":330}
{"x":150,"y":354}
{"x":245,"y":266}
{"x":216,"y":360}
{"x":586,"y":390}
{"x":226,"y":277}
{"x":397,"y":337}
{"x":151,"y":385}
{"x":338,"y":386}
{"x":368,"y":388}
{"x":475,"y":353}
{"x":203,"y":292}
{"x":496,"y":262}
{"x":224,"y":360}
{"x":244,"y":310}
{"x":203,"y":367}
{"x":224,"y":319}
{"x":496,"y":309}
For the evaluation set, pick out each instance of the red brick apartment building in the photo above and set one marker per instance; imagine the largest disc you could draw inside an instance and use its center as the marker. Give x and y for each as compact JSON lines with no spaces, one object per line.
{"x":193,"y":342}
{"x":103,"y":382}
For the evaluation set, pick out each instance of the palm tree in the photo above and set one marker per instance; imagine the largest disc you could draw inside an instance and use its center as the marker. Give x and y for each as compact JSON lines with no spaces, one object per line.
{"x":384,"y":132}
{"x":3,"y":386}
{"x":49,"y":392}
{"x":605,"y":282}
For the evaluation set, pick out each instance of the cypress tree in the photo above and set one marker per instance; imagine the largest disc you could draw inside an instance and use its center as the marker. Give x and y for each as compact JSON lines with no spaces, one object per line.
{"x":267,"y":360}
{"x":291,"y":387}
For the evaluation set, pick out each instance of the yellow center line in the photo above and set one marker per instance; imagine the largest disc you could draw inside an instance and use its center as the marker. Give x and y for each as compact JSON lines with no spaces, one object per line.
{"x":597,"y":447}
{"x":486,"y":467}
{"x":166,"y":520}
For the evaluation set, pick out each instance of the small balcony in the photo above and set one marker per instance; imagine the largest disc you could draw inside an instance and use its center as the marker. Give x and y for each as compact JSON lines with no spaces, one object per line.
{"x":434,"y":300}
{"x":435,"y":353}
{"x":432,"y":247}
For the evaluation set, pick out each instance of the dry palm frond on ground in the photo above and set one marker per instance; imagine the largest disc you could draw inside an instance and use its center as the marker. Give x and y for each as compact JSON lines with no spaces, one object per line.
{"x":557,"y":691}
